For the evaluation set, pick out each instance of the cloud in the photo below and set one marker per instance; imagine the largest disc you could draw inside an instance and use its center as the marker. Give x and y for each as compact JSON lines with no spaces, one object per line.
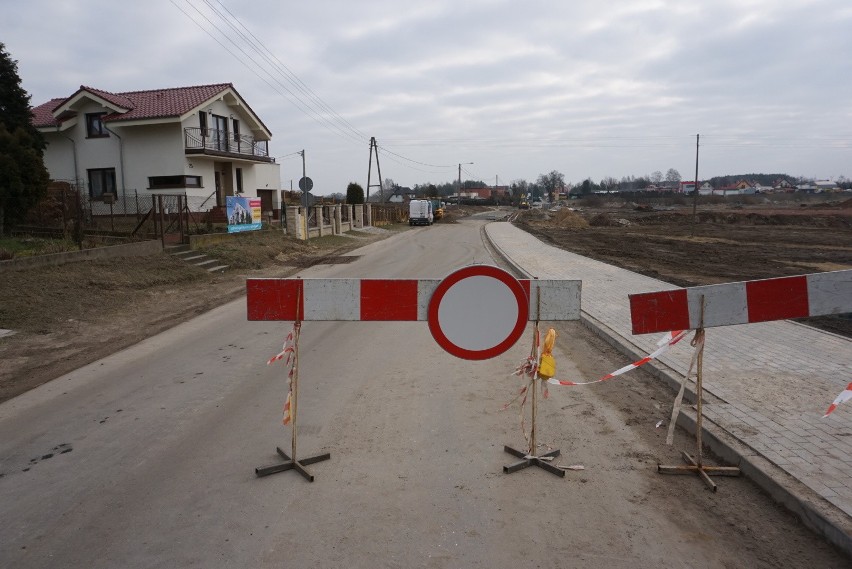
{"x":483,"y":81}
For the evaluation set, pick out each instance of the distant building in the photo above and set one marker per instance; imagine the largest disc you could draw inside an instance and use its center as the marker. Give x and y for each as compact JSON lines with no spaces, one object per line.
{"x":825,"y":186}
{"x":687,"y":187}
{"x":400,"y":194}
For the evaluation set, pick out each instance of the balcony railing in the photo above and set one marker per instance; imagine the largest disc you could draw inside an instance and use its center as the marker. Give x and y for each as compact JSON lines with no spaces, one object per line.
{"x":220,"y":142}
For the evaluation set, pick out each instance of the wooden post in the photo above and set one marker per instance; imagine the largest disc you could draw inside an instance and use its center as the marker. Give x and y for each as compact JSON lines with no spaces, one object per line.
{"x":695,"y":465}
{"x":291,"y":462}
{"x":531,"y":458}
{"x":295,"y":389}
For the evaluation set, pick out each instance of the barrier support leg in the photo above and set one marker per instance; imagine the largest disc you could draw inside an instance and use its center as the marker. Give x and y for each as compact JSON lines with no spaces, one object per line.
{"x":695,"y":465}
{"x":292,"y":463}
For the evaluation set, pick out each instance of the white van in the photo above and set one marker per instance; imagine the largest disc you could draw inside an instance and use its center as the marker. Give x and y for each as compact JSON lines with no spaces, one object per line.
{"x":420,"y":212}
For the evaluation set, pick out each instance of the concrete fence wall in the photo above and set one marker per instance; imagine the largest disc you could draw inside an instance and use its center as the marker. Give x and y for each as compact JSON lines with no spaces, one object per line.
{"x":356,"y":217}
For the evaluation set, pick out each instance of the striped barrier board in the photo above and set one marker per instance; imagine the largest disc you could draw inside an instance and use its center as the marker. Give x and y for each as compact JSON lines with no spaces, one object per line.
{"x":475,"y":313}
{"x":384,"y":299}
{"x":747,"y":302}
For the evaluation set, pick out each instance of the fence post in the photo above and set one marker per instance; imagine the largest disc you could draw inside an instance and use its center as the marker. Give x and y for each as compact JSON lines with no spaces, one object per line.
{"x":180,"y":216}
{"x":162,"y":221}
{"x":78,"y":230}
{"x":337,"y":223}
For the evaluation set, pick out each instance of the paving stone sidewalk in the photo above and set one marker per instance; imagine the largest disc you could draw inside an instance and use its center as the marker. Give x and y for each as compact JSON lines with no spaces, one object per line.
{"x":767,"y":384}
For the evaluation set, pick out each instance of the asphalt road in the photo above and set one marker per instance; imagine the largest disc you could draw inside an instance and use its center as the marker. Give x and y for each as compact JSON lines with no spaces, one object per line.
{"x":146,"y":458}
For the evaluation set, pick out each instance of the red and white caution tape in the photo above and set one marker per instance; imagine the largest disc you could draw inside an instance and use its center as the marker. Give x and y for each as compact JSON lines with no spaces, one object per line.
{"x":845,"y":396}
{"x":665,"y":343}
{"x":287,"y":351}
{"x":668,"y":337}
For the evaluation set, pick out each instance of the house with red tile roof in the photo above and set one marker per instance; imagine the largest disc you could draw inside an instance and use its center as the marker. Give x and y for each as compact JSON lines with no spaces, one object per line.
{"x":204,"y":142}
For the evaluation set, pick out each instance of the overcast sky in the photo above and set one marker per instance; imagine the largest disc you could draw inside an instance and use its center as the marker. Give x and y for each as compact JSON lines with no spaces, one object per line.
{"x":589,"y":88}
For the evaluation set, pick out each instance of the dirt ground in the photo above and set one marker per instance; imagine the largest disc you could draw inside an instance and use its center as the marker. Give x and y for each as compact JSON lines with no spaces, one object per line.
{"x":67,"y":316}
{"x":726,"y":244}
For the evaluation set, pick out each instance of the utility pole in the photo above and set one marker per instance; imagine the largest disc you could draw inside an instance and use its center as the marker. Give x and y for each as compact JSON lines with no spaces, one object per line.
{"x":458,"y":203}
{"x":695,"y":191}
{"x":374,"y":145}
{"x":305,"y":192}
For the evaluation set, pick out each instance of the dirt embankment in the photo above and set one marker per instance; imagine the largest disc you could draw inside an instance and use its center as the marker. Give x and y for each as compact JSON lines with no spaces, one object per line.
{"x":67,"y":316}
{"x":718,"y":245}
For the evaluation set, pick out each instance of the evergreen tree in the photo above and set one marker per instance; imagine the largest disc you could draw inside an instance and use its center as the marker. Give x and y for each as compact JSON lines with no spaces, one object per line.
{"x":23,"y":177}
{"x":354,"y":193}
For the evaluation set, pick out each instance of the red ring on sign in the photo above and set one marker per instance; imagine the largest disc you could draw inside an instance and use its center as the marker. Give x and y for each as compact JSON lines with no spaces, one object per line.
{"x":478,"y":271}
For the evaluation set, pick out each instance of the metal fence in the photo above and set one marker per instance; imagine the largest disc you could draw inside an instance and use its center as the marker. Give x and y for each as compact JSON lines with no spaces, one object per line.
{"x":387,"y":214}
{"x":67,"y":211}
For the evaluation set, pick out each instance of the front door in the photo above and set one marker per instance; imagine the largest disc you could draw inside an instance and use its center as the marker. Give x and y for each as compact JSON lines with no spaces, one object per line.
{"x":220,"y":197}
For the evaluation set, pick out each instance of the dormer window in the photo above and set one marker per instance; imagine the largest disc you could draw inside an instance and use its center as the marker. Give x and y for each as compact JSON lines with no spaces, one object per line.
{"x":95,"y":126}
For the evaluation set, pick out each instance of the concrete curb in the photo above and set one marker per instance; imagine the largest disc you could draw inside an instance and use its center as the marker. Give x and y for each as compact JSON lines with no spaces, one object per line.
{"x":816,"y":513}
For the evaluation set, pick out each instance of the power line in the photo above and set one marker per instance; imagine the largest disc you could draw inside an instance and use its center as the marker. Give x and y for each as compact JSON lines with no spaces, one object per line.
{"x":320,"y":107}
{"x":294,"y":98}
{"x":384,"y":149}
{"x":303,"y":87}
{"x":314,"y":107}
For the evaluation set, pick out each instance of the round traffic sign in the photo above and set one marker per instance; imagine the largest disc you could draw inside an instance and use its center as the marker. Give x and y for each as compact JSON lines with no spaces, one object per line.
{"x":478,"y":312}
{"x":306,"y":184}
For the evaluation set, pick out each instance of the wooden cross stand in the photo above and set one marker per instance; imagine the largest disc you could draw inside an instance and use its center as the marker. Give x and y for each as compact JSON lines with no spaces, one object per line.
{"x":696,"y":465}
{"x":727,"y":304}
{"x":530,"y":458}
{"x":292,"y":462}
{"x":475,"y":313}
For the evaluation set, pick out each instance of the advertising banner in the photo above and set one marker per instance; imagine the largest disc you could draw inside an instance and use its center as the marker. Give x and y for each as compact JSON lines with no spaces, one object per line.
{"x":243,"y":214}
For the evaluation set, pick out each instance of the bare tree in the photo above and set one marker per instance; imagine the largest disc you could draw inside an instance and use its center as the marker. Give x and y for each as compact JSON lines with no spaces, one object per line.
{"x":551,"y":183}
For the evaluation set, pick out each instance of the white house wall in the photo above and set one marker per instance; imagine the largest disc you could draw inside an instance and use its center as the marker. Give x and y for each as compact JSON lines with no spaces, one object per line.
{"x":266,"y":177}
{"x":151,"y":150}
{"x":91,"y":152}
{"x":59,"y":157}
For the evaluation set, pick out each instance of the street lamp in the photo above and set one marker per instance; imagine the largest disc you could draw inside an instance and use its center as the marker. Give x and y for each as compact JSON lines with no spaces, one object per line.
{"x":458,"y":196}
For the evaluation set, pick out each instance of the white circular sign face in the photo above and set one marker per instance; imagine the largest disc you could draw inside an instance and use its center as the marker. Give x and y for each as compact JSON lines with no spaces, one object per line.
{"x":478,"y":312}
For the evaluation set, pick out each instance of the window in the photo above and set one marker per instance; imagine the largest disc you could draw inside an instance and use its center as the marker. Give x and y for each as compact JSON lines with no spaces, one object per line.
{"x":95,"y":126}
{"x":163,"y":182}
{"x":101,"y":181}
{"x":239,"y":180}
{"x":236,"y":130}
{"x":220,"y":133}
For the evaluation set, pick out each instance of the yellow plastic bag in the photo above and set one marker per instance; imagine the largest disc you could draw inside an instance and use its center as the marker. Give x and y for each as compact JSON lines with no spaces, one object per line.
{"x":547,"y":366}
{"x":547,"y":363}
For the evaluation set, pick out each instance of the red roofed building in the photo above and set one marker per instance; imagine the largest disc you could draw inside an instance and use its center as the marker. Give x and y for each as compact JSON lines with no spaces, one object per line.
{"x":204,"y":142}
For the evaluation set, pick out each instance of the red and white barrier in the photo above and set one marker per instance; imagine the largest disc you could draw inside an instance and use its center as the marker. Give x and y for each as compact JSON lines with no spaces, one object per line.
{"x":746,"y":302}
{"x":386,"y":299}
{"x":475,"y":313}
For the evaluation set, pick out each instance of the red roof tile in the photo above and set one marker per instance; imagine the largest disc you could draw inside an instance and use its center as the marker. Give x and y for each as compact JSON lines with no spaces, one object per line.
{"x":158,"y":103}
{"x":162,"y":103}
{"x":116,"y":99}
{"x":43,"y":114}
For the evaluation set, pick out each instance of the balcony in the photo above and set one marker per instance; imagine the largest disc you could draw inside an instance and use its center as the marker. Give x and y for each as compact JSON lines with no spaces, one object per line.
{"x":211,"y":142}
